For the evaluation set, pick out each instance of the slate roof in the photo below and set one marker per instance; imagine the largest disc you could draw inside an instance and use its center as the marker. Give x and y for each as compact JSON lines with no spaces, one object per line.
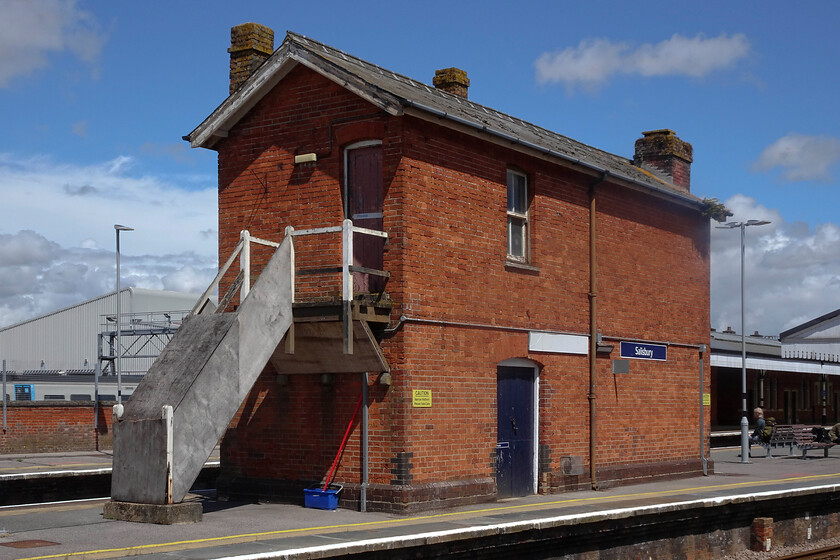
{"x":731,"y":342}
{"x":828,"y":318}
{"x":397,"y":94}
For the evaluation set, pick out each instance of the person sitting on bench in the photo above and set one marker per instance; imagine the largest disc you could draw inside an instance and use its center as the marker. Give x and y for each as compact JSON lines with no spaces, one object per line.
{"x":760,"y":424}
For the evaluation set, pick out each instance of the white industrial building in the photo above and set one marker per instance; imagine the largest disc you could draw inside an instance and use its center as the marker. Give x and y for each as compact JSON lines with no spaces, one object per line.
{"x":73,"y":341}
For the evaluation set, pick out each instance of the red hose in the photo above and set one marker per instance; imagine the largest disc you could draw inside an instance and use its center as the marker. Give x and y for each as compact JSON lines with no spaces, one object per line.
{"x":341,"y":447}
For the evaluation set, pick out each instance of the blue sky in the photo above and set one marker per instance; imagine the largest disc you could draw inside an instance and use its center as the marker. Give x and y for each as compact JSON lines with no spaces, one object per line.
{"x":96,"y":95}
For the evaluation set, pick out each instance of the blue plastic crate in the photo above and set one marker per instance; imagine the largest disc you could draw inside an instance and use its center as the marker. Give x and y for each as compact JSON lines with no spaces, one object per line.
{"x":319,"y":498}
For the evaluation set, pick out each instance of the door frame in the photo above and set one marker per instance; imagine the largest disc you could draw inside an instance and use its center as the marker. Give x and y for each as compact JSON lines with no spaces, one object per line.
{"x":344,"y":185}
{"x":535,"y":451}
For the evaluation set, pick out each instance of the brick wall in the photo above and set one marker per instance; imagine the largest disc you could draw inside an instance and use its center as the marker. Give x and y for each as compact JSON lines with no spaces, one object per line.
{"x":262,"y":190}
{"x":445,"y":211}
{"x":45,"y":427}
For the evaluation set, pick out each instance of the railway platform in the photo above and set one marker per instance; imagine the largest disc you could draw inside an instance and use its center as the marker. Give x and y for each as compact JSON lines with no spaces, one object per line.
{"x":704,"y":517}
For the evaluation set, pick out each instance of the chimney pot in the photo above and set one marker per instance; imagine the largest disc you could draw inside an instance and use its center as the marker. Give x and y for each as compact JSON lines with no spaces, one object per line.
{"x":250,"y":45}
{"x":452,"y":80}
{"x":662,"y":151}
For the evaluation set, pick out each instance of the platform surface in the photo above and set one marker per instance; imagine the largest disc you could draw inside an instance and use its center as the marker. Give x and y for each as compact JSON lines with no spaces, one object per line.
{"x":78,"y":529}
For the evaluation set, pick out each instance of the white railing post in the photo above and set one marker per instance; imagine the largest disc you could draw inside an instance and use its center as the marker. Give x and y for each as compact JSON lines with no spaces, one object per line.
{"x":290,"y":334}
{"x":245,"y":265}
{"x":347,"y":284}
{"x":167,"y":417}
{"x":290,"y":233}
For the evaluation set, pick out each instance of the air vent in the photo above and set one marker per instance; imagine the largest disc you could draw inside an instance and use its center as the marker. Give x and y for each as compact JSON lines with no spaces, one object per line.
{"x":571,"y":466}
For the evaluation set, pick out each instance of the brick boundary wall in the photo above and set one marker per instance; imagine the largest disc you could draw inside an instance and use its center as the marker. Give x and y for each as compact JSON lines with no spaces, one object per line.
{"x":49,"y":427}
{"x":697,"y":532}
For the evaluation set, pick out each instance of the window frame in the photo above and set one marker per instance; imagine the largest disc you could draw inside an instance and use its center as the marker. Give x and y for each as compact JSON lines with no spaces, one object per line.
{"x":522,"y":217}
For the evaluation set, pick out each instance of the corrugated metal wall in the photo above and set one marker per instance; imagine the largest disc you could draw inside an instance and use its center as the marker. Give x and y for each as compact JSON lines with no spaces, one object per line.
{"x":66,"y":338}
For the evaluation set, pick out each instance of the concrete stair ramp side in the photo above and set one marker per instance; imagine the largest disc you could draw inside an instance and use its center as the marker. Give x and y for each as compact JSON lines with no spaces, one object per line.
{"x":204,"y":374}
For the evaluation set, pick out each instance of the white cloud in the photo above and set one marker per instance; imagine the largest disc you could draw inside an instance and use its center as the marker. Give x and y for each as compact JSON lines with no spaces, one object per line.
{"x":26,"y":247}
{"x":801,"y":157}
{"x":49,"y":277}
{"x":32,"y":30}
{"x":57,"y":238}
{"x":185,"y":279}
{"x":86,"y":201}
{"x":593,"y":62}
{"x":792,"y":271}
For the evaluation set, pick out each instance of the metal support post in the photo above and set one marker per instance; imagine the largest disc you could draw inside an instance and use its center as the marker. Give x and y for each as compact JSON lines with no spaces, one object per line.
{"x":118,"y":228}
{"x":96,"y":371}
{"x":745,"y":423}
{"x":761,"y":376}
{"x":824,"y":398}
{"x":4,"y":396}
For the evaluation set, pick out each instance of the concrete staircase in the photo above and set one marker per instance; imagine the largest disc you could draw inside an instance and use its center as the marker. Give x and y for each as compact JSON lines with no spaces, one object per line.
{"x":189,"y":396}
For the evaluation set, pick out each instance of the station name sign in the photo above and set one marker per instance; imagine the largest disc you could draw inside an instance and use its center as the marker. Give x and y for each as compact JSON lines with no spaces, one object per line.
{"x":640,"y":351}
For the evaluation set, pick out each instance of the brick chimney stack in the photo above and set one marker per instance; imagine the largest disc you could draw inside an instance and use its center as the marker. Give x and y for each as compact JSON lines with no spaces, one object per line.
{"x":663,"y":152}
{"x":452,"y":80}
{"x":250,"y":45}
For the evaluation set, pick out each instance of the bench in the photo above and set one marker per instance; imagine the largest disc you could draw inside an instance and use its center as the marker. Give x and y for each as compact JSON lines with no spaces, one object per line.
{"x":800,"y":436}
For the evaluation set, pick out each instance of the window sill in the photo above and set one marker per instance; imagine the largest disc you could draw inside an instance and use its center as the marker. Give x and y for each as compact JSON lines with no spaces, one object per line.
{"x":516,"y":265}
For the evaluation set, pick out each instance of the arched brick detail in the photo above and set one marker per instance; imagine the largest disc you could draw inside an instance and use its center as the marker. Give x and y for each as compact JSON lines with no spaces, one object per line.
{"x":358,"y":131}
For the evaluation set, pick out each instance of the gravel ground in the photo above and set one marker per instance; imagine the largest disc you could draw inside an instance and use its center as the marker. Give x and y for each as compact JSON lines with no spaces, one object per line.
{"x":785,"y":550}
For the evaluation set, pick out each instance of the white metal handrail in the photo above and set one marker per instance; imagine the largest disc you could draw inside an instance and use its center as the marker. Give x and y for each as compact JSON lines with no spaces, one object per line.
{"x":243,"y":250}
{"x":347,"y":230}
{"x":244,"y":247}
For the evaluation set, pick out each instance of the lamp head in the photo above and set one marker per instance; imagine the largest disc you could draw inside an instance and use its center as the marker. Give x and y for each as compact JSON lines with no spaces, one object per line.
{"x":733,"y":225}
{"x":118,"y":227}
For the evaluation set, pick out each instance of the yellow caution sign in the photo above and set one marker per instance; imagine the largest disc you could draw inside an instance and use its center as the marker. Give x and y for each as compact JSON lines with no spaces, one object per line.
{"x":421,"y":398}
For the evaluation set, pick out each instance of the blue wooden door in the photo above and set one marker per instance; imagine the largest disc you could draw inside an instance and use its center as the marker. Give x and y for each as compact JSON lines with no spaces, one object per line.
{"x":515,"y":432}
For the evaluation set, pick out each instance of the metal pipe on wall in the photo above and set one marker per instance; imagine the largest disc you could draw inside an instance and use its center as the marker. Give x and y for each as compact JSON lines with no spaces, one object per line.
{"x":702,"y":417}
{"x":593,"y":329}
{"x":363,"y":491}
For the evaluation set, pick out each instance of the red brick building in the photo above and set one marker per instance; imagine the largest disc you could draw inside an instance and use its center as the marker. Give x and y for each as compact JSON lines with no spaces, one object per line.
{"x":519,"y":261}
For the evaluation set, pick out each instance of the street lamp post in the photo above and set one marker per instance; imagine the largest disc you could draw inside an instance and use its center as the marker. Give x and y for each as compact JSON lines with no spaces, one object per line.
{"x":118,"y":228}
{"x":745,"y":423}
